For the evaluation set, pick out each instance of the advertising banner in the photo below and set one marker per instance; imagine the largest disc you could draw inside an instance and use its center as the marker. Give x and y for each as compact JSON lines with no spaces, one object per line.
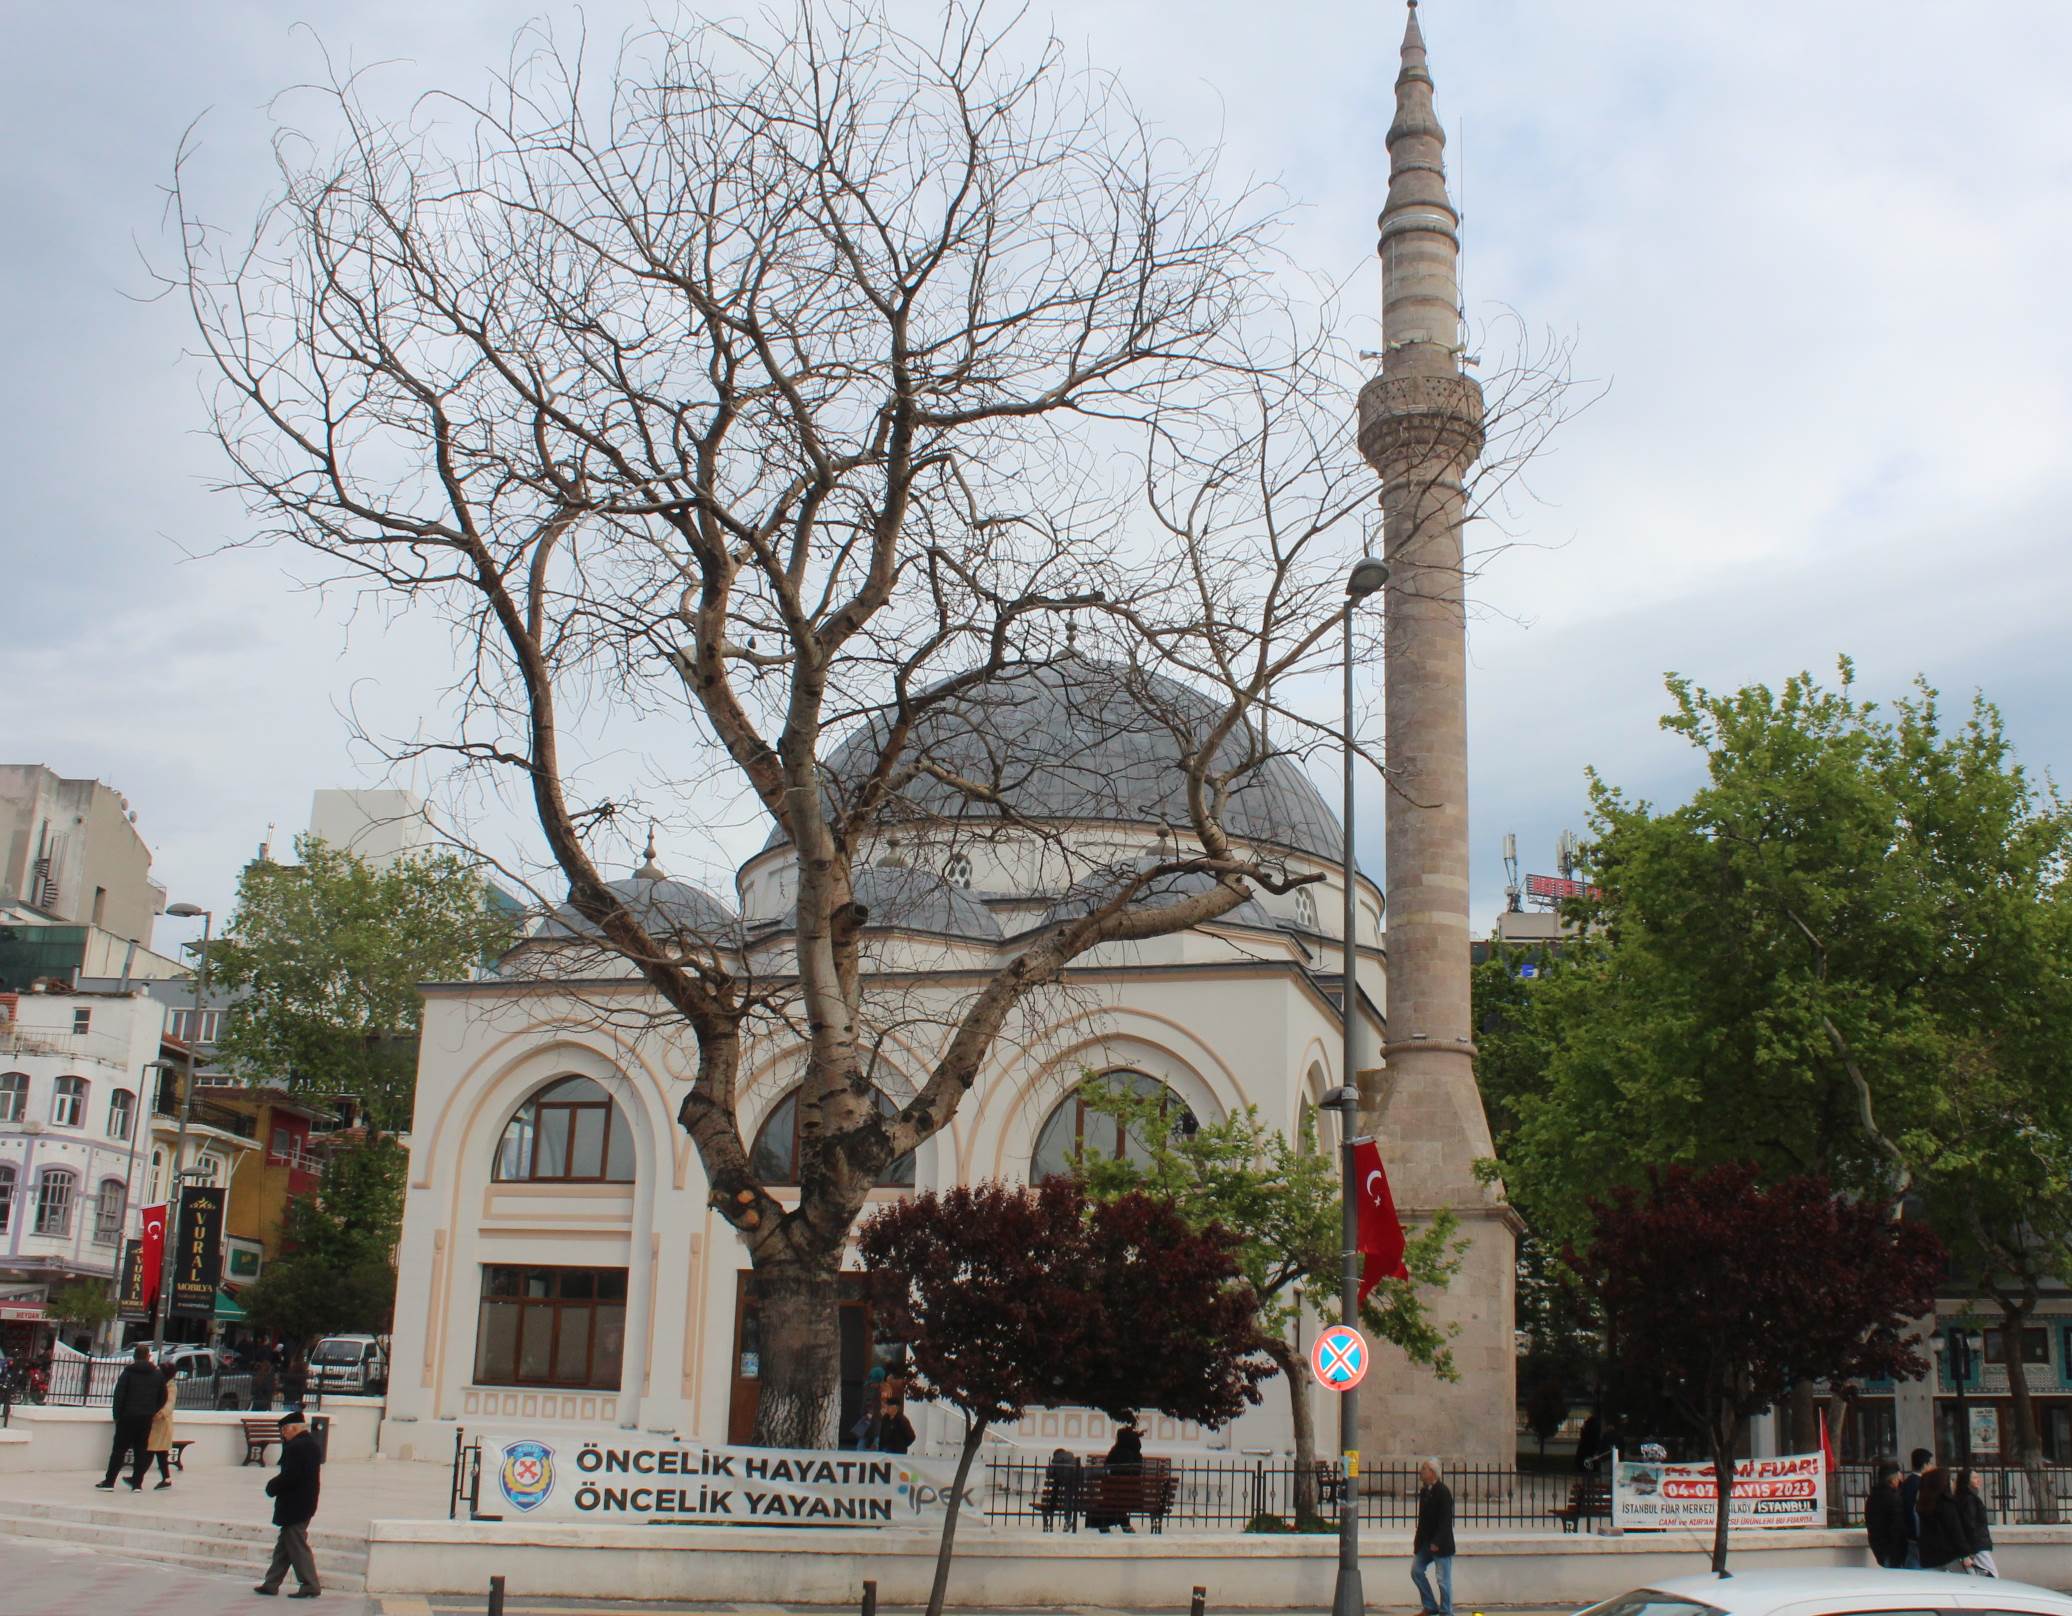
{"x":198,"y":1261}
{"x":1789,"y":1490}
{"x":641,"y":1479}
{"x":134,"y":1301}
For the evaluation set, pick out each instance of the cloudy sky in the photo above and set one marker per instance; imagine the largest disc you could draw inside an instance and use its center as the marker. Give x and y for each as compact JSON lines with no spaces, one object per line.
{"x":1818,"y":251}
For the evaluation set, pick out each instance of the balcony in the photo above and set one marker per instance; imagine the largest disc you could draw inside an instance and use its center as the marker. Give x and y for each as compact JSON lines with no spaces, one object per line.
{"x":104,"y":1048}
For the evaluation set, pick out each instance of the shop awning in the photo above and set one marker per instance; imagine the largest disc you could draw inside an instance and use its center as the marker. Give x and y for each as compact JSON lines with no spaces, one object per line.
{"x":227,"y":1306}
{"x":19,"y":1312}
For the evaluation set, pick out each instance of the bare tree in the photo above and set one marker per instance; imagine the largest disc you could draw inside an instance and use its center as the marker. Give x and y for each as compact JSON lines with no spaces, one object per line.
{"x":804,"y":387}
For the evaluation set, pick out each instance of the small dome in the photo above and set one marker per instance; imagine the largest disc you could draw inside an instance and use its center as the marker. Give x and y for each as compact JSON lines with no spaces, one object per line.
{"x":895,"y":897}
{"x":1077,"y":739}
{"x":666,"y":908}
{"x":1088,"y":892}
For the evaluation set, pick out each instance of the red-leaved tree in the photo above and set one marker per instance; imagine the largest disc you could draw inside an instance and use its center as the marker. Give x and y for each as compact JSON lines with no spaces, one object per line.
{"x":1719,"y":1291}
{"x":1010,"y":1297}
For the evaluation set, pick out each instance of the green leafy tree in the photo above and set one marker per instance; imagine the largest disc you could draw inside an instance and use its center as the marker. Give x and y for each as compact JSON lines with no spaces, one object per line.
{"x":336,"y":1269}
{"x":1281,"y":1202}
{"x":328,"y":953}
{"x":85,"y":1302}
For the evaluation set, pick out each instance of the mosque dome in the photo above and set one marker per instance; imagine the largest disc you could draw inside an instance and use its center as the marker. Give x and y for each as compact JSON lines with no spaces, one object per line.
{"x":665,"y":907}
{"x":1081,"y":740}
{"x":909,"y":899}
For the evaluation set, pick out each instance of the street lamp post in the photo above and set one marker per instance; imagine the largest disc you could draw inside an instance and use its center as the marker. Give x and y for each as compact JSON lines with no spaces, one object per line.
{"x":179,"y":1173}
{"x":1349,"y":1598}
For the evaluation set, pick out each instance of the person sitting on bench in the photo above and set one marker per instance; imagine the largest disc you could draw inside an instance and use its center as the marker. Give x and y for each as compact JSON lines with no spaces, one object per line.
{"x":1125,"y":1458}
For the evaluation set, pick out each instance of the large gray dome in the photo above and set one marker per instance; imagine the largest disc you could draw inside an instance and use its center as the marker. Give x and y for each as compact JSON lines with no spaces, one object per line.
{"x":897,"y":896}
{"x":666,"y":908}
{"x":1081,"y":740}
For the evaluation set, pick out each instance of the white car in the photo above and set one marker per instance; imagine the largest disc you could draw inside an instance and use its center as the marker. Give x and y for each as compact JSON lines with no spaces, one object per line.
{"x":1835,"y":1592}
{"x":349,"y":1363}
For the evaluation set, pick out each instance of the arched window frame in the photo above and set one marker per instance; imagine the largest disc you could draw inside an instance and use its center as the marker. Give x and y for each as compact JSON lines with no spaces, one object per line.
{"x":1306,"y":909}
{"x":14,"y":1096}
{"x":778,"y":1165}
{"x":57,"y":1198}
{"x":571,"y":1098}
{"x":110,"y":1204}
{"x":1108,"y":1134}
{"x":122,"y":1113}
{"x":68,"y":1102}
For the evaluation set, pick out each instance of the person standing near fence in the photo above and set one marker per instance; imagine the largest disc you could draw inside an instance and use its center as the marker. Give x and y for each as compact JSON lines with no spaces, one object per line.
{"x":262,"y":1382}
{"x":1978,"y":1530}
{"x":294,"y":1494}
{"x":1910,"y":1497}
{"x":1433,"y":1545}
{"x":159,"y":1444}
{"x":138,"y":1392}
{"x":1884,"y":1518}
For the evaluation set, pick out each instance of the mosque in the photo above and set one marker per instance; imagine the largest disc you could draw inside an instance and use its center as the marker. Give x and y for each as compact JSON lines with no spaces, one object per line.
{"x":560,"y":1261}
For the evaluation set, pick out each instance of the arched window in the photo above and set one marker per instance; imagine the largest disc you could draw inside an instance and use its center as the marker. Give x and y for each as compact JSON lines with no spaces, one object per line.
{"x":56,"y":1188}
{"x":68,"y":1105}
{"x":7,"y":1186}
{"x":775,"y":1158}
{"x":108,"y":1210}
{"x":14,"y":1096}
{"x":157,"y":1178}
{"x":569,"y":1132}
{"x":956,"y":870}
{"x":1075,"y":1127}
{"x":122,"y":1113}
{"x":1305,"y":909}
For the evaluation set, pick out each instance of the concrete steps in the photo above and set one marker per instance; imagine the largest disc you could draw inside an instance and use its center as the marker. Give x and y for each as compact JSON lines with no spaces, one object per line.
{"x":235,"y":1548}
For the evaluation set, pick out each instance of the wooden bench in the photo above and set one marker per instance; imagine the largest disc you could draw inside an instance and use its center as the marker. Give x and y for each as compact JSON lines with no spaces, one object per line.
{"x":1063,"y":1498}
{"x":1149,"y":1493}
{"x":179,"y":1452}
{"x":1590,"y":1499}
{"x":1330,"y":1483}
{"x":259,"y":1436}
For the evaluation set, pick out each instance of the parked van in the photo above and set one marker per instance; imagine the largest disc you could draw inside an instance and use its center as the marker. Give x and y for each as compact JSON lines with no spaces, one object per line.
{"x":349,"y":1363}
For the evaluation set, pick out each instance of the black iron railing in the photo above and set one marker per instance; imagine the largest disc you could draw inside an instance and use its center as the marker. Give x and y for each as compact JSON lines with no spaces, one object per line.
{"x":90,"y":1382}
{"x":2010,"y":1498}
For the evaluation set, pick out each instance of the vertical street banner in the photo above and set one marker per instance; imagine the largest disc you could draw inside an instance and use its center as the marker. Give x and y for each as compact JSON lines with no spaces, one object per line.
{"x":198,"y":1259}
{"x":1788,"y":1490}
{"x":152,"y":1253}
{"x":133,"y":1302}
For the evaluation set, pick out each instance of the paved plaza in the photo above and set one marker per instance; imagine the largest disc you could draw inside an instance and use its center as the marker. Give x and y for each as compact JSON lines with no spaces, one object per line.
{"x":355,"y":1493}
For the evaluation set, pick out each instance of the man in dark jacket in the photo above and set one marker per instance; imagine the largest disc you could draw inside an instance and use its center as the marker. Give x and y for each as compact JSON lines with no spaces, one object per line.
{"x":1910,"y":1499}
{"x":1433,"y":1544}
{"x":139,"y":1390}
{"x":294,"y":1494}
{"x":1884,"y":1517}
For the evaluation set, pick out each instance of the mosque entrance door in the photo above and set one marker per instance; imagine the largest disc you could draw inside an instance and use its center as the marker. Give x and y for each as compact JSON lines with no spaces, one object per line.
{"x":860,"y":1354}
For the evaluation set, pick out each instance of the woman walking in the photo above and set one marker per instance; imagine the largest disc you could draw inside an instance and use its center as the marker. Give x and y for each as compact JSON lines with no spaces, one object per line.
{"x":1945,"y":1546}
{"x":1978,"y":1532}
{"x":159,"y":1444}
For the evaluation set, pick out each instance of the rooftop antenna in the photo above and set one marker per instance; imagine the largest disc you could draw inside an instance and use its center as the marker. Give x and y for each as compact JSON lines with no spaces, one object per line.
{"x":1514,"y":894}
{"x":1566,"y":849}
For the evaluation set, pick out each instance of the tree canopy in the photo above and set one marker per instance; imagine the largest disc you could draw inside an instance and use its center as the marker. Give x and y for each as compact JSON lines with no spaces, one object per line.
{"x":333,"y":1271}
{"x":326,"y":955}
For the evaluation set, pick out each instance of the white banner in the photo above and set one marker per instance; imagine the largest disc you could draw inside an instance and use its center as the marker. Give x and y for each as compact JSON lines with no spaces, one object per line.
{"x":641,"y":1479}
{"x":1790,"y":1490}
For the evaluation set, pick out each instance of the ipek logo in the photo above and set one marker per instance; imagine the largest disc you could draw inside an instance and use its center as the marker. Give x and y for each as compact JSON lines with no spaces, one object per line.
{"x":527,"y":1476}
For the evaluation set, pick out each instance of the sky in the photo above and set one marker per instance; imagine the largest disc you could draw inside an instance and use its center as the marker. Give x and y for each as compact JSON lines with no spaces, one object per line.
{"x":1811,"y":255}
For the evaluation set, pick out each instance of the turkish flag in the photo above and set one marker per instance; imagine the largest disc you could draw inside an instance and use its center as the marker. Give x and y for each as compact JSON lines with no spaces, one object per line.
{"x":1381,"y":1231}
{"x":153,"y":1251}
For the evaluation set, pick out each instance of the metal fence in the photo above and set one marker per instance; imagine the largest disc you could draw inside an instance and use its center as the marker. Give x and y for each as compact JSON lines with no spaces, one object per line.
{"x":90,"y":1382}
{"x":1221,"y":1495}
{"x":2010,"y":1498}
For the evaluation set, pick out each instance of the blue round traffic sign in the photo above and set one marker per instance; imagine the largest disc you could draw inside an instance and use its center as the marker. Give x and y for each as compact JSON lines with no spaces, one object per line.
{"x":1339,"y":1359}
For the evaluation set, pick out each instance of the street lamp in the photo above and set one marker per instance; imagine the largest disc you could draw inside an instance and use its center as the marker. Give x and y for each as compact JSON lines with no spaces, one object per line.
{"x":179,"y":1174}
{"x":1349,"y":1599}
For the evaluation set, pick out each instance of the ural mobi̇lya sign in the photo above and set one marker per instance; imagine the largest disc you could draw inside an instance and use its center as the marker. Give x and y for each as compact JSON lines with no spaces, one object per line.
{"x":634,"y":1480}
{"x":1789,"y":1490}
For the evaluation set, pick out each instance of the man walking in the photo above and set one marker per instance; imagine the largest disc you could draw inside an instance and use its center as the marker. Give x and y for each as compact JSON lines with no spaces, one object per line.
{"x":1433,"y":1545}
{"x":1920,"y":1461}
{"x":294,"y":1494}
{"x":139,"y":1390}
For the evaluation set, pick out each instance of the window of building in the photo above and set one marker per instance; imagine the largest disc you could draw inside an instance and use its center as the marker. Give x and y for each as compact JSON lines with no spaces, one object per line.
{"x":82,"y":1020}
{"x":14,"y":1096}
{"x":6,"y":1196}
{"x":2054,"y":1424}
{"x":55,"y":1191}
{"x":157,"y":1194}
{"x":2035,"y":1345}
{"x":1305,"y":909}
{"x":122,"y":1113}
{"x":775,"y":1157}
{"x":551,"y":1327}
{"x":68,"y":1105}
{"x":108,"y":1210}
{"x":208,"y":1022}
{"x":956,"y":870}
{"x":1871,"y":1433}
{"x":570,"y":1132}
{"x":208,"y":1170}
{"x":1075,"y":1127}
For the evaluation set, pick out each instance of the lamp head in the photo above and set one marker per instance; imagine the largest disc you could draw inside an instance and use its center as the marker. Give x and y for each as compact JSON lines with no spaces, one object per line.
{"x":186,"y":911}
{"x":1367,"y":576}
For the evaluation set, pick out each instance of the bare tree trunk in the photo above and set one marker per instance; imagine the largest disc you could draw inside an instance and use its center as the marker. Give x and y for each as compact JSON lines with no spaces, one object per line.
{"x":801,"y":1354}
{"x":1290,"y":1367}
{"x":1723,"y":1433}
{"x":2027,"y":1451}
{"x":1805,"y":1418}
{"x":974,"y":1435}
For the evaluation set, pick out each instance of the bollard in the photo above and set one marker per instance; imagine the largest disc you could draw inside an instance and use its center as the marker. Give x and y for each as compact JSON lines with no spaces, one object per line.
{"x":1200,"y":1602}
{"x":870,"y":1599}
{"x":496,"y":1596}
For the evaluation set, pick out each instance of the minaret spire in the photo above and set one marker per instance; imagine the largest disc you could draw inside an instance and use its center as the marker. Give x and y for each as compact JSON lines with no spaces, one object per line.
{"x":1421,"y":429}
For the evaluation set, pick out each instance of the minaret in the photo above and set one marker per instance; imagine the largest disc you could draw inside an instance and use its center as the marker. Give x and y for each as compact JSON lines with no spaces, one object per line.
{"x":1421,"y":429}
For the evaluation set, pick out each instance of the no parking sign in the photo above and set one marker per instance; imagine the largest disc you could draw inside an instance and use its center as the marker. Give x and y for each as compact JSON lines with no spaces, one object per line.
{"x":1339,"y":1359}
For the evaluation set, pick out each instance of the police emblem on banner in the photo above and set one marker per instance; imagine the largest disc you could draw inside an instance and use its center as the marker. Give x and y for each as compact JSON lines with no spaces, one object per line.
{"x":527,"y":1475}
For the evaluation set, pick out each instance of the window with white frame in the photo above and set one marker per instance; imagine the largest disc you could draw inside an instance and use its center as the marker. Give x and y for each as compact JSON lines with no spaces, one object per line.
{"x":1305,"y":909}
{"x":108,"y":1210}
{"x":157,"y":1177}
{"x":56,"y":1189}
{"x":122,"y":1114}
{"x":7,"y":1186}
{"x":14,"y":1096}
{"x":209,"y":1170}
{"x":82,"y":1020}
{"x":207,"y":1025}
{"x":68,"y":1105}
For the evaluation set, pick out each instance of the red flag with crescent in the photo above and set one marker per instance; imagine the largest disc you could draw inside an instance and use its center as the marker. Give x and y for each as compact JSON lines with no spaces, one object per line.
{"x":152,"y":1253}
{"x":1381,"y":1231}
